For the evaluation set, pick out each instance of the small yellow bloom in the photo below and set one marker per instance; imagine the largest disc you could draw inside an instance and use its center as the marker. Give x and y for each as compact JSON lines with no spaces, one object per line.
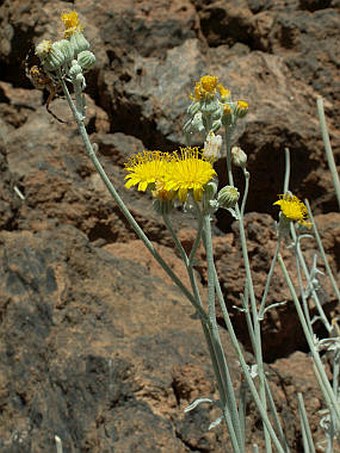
{"x":205,"y":88}
{"x":293,"y":209}
{"x":145,"y":169}
{"x":241,"y":108}
{"x":224,"y":92}
{"x":188,"y":171}
{"x":71,"y":23}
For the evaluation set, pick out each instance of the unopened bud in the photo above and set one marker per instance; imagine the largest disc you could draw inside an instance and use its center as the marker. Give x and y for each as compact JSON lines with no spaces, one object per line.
{"x":227,"y":117}
{"x":65,"y":48}
{"x":195,"y":124}
{"x":210,"y":204}
{"x":193,"y":108}
{"x":86,"y":59}
{"x":75,"y":70}
{"x":79,"y":42}
{"x":55,"y":58}
{"x":228,"y":197}
{"x":239,"y":157}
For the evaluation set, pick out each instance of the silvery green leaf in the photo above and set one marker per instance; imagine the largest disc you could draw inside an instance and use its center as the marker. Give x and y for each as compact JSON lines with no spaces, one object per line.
{"x":215,"y":423}
{"x":197,"y":402}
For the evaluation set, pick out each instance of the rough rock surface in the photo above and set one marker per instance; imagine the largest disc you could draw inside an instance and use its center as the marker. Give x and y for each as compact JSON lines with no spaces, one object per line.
{"x":97,"y":346}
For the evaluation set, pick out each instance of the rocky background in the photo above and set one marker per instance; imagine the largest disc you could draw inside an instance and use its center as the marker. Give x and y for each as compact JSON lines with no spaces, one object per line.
{"x":97,"y":346}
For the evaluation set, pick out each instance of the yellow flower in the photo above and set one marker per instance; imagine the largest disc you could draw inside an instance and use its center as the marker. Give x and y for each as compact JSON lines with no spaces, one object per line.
{"x":71,"y":23}
{"x":188,"y":171}
{"x":205,"y":88}
{"x":241,"y":108}
{"x":293,"y":209}
{"x":224,"y":92}
{"x":146,"y":168}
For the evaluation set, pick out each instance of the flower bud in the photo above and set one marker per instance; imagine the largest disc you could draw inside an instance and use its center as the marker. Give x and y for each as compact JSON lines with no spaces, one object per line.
{"x":212,"y":146}
{"x":55,"y":58}
{"x":211,"y":107}
{"x":228,"y":197}
{"x":65,"y":48}
{"x":227,"y":118}
{"x":241,"y":109}
{"x":239,"y":157}
{"x":193,"y":108}
{"x":79,"y":42}
{"x":210,"y":204}
{"x":75,"y":70}
{"x":216,"y":125}
{"x":194,"y":124}
{"x":86,"y":59}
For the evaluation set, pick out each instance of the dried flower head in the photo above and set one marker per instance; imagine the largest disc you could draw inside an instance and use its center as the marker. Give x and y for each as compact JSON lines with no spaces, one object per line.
{"x":293,"y":209}
{"x":43,"y":48}
{"x":212,"y":146}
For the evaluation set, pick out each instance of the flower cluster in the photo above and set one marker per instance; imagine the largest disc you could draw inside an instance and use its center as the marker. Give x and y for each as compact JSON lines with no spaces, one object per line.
{"x":70,"y":56}
{"x":293,"y":209}
{"x":212,"y":107}
{"x":170,"y":176}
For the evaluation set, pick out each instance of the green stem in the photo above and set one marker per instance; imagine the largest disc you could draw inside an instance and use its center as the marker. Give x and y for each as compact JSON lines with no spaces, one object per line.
{"x":256,"y":322}
{"x":222,"y":375}
{"x":322,"y":252}
{"x":326,"y":387}
{"x":328,"y":148}
{"x":269,"y":278}
{"x":305,"y":428}
{"x":229,"y":400}
{"x":138,"y":230}
{"x":245,"y":369}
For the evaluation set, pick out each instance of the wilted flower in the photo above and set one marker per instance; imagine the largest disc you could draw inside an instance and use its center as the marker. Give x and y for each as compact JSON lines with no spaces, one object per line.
{"x":212,"y":146}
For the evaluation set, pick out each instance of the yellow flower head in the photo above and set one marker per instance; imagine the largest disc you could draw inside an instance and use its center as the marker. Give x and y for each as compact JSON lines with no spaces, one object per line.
{"x":188,"y":171}
{"x":71,"y":23}
{"x":293,"y":209}
{"x":205,"y":88}
{"x":146,"y":168}
{"x":224,"y":92}
{"x":241,"y":108}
